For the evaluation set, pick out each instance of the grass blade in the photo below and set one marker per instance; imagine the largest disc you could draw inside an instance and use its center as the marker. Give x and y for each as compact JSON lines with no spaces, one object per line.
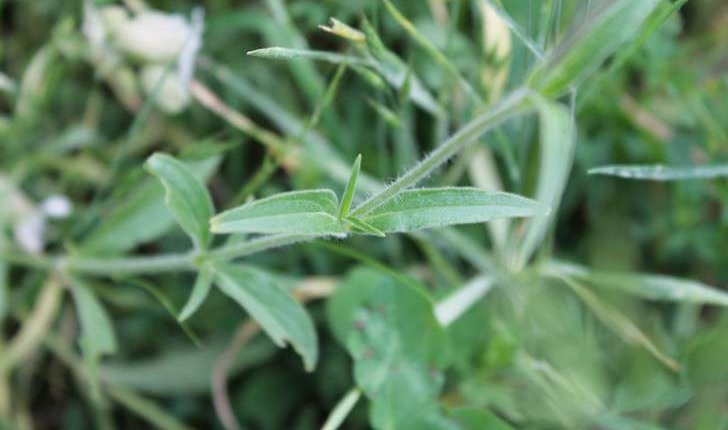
{"x":280,"y":53}
{"x":558,"y":139}
{"x":662,"y":173}
{"x":342,"y":410}
{"x":647,"y":286}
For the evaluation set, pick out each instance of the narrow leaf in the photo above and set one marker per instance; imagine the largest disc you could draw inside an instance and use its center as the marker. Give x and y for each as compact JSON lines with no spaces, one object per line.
{"x":279,"y":53}
{"x":608,"y":25}
{"x":440,"y":207}
{"x":558,"y":138}
{"x":186,"y":196}
{"x":199,"y":292}
{"x":619,"y":323}
{"x":342,"y":410}
{"x":348,"y":196}
{"x":281,"y":317}
{"x":363,"y":227}
{"x":648,"y":286}
{"x":139,"y":215}
{"x":304,"y":212}
{"x":662,"y":173}
{"x":97,"y":332}
{"x":478,"y":419}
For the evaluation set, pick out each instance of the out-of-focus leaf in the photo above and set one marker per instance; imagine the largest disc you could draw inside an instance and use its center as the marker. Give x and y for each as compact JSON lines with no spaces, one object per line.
{"x":35,"y":85}
{"x":280,"y":53}
{"x":648,"y":286}
{"x":399,"y":349}
{"x":607,"y":26}
{"x":558,"y":138}
{"x":185,"y":370}
{"x":304,"y":212}
{"x":662,"y":173}
{"x":397,"y":73}
{"x":440,"y":207}
{"x":707,"y":357}
{"x":619,"y":323}
{"x":186,"y":197}
{"x":97,"y":332}
{"x":278,"y":314}
{"x":4,"y":275}
{"x":141,"y":215}
{"x":478,"y":419}
{"x":342,"y":410}
{"x":146,"y":409}
{"x":200,"y":290}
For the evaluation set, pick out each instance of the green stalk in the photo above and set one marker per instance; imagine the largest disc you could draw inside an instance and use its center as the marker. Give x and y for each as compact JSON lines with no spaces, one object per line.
{"x":237,"y":250}
{"x":516,"y":103}
{"x":130,"y":265}
{"x":172,"y":262}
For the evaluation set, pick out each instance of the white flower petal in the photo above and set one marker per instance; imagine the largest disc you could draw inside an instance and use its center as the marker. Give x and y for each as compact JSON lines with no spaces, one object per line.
{"x":57,"y":206}
{"x":29,"y":233}
{"x":172,"y":97}
{"x":188,"y":56}
{"x":154,"y":36}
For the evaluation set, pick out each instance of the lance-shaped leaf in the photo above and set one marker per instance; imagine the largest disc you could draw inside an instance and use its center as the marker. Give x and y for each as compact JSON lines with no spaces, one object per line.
{"x":350,"y":189}
{"x":440,"y":207}
{"x":186,"y":196}
{"x":199,"y":292}
{"x":278,"y":314}
{"x":647,"y":286}
{"x":607,"y":26}
{"x":619,"y":323}
{"x":97,"y":332}
{"x":303,"y":212}
{"x":558,"y":138}
{"x":138,"y":214}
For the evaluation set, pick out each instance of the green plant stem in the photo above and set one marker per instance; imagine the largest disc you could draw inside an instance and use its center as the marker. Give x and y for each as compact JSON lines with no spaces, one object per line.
{"x":157,"y":263}
{"x":130,"y":265}
{"x":516,"y":103}
{"x":237,"y":250}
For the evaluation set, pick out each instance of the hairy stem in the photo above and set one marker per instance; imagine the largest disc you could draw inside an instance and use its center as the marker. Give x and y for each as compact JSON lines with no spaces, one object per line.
{"x":237,"y":250}
{"x":515,"y":104}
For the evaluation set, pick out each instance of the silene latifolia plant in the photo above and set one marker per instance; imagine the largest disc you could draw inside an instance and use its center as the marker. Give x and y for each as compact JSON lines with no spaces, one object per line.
{"x":405,"y":341}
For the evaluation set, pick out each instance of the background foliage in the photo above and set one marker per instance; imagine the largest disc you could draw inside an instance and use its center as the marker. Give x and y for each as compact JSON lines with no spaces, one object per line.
{"x":98,"y":326}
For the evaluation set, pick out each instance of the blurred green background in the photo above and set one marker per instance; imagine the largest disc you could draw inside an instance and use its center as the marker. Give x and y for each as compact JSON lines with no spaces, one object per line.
{"x":72,"y":126}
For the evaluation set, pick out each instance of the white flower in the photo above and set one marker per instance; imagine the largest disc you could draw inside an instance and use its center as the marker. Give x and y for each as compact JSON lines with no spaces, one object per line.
{"x":28,"y":220}
{"x":154,"y":36}
{"x":29,"y":231}
{"x":188,"y":56}
{"x":57,"y":206}
{"x":171,"y":96}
